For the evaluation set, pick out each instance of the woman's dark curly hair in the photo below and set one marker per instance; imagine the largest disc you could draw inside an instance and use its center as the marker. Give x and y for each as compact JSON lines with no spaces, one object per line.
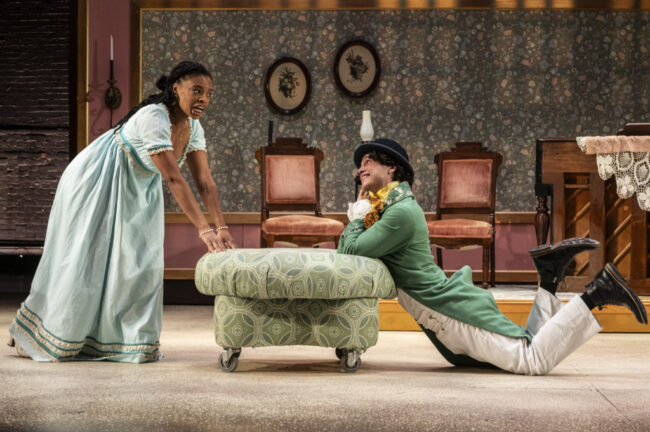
{"x":401,"y":174}
{"x":165,"y":85}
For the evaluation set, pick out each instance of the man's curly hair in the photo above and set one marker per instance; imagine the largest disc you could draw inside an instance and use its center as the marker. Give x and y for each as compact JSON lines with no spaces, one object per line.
{"x":401,"y":173}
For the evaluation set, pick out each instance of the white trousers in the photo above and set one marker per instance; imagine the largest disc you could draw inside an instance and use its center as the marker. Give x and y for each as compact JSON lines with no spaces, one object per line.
{"x":557,"y":331}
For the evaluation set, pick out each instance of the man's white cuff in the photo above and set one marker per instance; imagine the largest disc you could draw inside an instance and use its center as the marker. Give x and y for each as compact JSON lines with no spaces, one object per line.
{"x":359,"y":209}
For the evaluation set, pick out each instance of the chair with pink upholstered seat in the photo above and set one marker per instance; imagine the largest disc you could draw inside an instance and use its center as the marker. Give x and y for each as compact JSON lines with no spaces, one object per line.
{"x":466,"y":186}
{"x":290,"y":183}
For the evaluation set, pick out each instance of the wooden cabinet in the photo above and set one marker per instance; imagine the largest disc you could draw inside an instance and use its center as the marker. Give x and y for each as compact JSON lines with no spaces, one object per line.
{"x":583,"y":205}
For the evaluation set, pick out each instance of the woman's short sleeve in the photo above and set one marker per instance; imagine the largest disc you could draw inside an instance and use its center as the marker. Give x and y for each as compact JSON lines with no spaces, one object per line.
{"x":197,"y":140}
{"x":154,"y":131}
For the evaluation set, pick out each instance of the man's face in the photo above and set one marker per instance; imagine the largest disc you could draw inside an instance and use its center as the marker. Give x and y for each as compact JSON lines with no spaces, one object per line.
{"x":374,"y":175}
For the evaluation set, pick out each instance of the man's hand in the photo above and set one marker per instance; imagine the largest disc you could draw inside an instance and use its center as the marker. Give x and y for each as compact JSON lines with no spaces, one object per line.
{"x":363,"y":194}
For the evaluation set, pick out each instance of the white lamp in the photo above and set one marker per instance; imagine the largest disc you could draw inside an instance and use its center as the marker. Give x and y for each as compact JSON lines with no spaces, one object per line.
{"x":366,"y":132}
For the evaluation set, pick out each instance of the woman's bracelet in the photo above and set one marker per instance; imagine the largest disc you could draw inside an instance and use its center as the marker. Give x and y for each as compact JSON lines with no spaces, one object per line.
{"x":217,"y":229}
{"x":202,"y":233}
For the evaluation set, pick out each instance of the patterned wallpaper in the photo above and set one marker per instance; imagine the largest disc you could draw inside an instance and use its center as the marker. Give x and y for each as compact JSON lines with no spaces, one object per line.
{"x":501,"y":77}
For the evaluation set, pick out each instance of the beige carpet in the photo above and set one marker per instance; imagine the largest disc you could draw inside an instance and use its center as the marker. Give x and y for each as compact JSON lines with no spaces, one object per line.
{"x":403,"y":385}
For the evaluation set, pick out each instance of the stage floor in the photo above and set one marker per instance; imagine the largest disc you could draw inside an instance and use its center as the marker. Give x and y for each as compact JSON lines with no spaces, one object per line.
{"x":404,"y":384}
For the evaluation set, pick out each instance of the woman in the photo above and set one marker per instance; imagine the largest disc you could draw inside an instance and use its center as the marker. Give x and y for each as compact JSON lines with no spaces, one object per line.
{"x":97,"y":292}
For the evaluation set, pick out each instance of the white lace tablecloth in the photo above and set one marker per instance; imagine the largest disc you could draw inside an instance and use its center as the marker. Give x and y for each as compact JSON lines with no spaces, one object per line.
{"x":625,"y":157}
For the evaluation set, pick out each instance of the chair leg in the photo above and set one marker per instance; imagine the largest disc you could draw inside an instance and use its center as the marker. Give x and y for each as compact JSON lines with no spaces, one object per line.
{"x":492,"y":265}
{"x":269,"y":240}
{"x":439,"y":257}
{"x":486,"y":265}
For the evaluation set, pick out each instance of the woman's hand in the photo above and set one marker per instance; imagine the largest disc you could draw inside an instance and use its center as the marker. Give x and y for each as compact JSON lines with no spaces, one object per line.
{"x":226,"y":239}
{"x":211,"y":241}
{"x":218,"y":241}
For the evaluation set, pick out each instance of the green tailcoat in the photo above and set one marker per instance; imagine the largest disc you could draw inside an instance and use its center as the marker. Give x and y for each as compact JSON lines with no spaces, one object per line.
{"x":400,"y":238}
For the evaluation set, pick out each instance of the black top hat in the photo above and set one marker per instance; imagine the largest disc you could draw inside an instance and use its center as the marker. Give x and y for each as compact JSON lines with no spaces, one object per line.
{"x":386,"y":146}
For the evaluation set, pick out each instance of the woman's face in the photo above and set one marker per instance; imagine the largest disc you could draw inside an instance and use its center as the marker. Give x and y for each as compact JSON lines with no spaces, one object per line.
{"x":194,"y":93}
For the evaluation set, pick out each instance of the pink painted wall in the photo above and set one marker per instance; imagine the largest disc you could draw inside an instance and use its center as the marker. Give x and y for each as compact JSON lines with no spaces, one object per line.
{"x":511,"y":250}
{"x":107,"y":18}
{"x":183,"y":247}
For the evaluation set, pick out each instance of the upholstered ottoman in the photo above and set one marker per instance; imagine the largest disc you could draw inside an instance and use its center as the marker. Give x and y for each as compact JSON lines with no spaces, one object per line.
{"x":266,"y":297}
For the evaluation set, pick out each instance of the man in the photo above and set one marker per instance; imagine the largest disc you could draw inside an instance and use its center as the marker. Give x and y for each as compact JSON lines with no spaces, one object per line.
{"x":462,"y":320}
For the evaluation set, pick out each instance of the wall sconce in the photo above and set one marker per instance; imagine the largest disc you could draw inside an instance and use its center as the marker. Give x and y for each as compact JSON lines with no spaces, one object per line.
{"x":367,"y":131}
{"x":113,"y":96}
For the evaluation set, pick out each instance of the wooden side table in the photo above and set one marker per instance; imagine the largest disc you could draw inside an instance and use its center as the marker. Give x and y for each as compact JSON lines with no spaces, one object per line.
{"x":582,"y":205}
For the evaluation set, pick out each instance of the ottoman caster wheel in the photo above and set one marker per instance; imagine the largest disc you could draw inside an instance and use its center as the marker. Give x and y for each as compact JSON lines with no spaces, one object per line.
{"x":340,"y":352}
{"x":229,"y":359}
{"x":351,"y":361}
{"x":228,"y":365}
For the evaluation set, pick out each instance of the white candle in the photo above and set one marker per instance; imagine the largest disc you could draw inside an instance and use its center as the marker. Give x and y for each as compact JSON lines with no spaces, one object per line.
{"x":111,"y":47}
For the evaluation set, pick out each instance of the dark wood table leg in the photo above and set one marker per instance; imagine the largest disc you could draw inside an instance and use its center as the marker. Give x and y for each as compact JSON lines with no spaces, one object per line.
{"x":541,"y":220}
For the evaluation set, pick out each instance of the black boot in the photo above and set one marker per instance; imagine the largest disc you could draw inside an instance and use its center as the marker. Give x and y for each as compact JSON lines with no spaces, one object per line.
{"x":609,"y":288}
{"x":552,"y":261}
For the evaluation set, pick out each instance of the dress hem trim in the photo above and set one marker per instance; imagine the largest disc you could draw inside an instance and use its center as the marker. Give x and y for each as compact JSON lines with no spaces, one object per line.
{"x":56,"y":349}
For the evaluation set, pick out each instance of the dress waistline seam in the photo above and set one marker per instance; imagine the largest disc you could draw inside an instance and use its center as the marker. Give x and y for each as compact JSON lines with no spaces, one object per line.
{"x":132,"y":154}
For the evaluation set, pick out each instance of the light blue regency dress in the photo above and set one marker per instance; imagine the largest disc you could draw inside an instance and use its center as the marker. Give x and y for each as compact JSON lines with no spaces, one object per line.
{"x":97,"y":292}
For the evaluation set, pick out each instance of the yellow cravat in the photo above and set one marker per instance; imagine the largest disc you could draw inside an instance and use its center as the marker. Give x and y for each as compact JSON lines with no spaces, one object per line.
{"x":377,"y":203}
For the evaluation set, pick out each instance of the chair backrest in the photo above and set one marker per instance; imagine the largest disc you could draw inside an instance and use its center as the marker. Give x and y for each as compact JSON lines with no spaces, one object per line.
{"x":467,"y":179}
{"x":289,"y":173}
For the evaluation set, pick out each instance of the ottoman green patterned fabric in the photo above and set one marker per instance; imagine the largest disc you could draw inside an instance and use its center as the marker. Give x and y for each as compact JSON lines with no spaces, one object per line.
{"x":267,"y":297}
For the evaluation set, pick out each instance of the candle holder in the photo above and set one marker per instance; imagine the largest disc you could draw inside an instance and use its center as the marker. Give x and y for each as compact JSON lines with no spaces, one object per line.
{"x":113,"y":96}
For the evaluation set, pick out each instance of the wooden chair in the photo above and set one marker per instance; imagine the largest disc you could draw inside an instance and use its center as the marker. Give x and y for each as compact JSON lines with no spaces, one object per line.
{"x":290,"y":183}
{"x":466,"y":185}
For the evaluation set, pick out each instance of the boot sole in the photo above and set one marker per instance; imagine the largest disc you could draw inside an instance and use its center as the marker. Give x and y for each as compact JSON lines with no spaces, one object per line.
{"x":570,"y":243}
{"x":640,"y":312}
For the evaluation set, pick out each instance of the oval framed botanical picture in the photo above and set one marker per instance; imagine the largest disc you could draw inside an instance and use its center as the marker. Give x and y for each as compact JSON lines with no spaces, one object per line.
{"x":357,"y":68}
{"x":287,"y":85}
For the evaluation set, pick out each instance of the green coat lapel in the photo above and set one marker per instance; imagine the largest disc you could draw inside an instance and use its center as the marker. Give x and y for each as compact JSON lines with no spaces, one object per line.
{"x":401,"y":191}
